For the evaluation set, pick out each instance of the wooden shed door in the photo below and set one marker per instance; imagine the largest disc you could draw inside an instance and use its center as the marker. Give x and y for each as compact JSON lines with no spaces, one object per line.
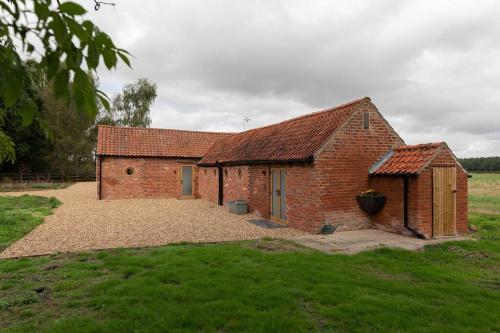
{"x":444,"y":184}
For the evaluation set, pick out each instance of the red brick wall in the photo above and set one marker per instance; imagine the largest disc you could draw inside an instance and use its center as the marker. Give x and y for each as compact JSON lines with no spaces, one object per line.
{"x":391,"y":217}
{"x":253,"y":186}
{"x":152,"y":178}
{"x":208,"y":184}
{"x":304,"y":186}
{"x":235,"y":183}
{"x":302,"y":190}
{"x":420,"y":201}
{"x":462,"y":201}
{"x":343,"y":165}
{"x":259,"y":190}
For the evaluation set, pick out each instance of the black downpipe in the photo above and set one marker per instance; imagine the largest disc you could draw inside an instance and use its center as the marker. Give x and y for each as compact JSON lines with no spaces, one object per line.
{"x":406,"y":189}
{"x":221,"y":184}
{"x":100,"y":177}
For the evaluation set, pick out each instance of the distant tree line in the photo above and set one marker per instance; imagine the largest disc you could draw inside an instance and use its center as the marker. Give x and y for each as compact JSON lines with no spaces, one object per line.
{"x":481,"y":163}
{"x":63,"y":141}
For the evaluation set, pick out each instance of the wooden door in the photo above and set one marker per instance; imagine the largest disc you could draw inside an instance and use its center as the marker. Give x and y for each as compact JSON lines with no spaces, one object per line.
{"x":278,"y":195}
{"x":187,"y":181}
{"x":444,"y":188}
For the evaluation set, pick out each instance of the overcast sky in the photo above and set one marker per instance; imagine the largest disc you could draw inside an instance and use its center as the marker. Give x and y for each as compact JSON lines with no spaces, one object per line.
{"x":431,"y":67}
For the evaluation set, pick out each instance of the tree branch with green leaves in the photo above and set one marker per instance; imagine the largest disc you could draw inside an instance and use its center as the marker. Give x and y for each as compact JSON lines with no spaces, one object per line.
{"x":65,"y":48}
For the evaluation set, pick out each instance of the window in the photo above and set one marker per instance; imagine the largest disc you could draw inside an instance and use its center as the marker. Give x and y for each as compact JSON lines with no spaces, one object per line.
{"x":130,"y":171}
{"x":215,"y":172}
{"x":239,"y":173}
{"x":205,"y":171}
{"x":366,"y":120}
{"x":225,"y":172}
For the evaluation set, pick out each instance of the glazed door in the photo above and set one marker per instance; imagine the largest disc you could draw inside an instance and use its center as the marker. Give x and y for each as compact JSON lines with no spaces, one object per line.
{"x":278,"y":195}
{"x":444,"y":190}
{"x":187,"y":181}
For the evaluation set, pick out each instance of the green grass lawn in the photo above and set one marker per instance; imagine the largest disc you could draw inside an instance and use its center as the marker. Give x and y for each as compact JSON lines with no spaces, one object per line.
{"x":258,"y":286}
{"x":20,"y":215}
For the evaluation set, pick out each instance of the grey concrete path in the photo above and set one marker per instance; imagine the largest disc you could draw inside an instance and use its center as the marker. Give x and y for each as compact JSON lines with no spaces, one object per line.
{"x":352,"y":242}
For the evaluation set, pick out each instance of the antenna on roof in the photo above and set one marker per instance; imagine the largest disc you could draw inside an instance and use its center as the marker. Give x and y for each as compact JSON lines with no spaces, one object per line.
{"x":245,"y":121}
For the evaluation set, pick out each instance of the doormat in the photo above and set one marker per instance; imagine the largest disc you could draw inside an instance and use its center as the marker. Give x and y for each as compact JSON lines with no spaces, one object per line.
{"x":266,"y":224}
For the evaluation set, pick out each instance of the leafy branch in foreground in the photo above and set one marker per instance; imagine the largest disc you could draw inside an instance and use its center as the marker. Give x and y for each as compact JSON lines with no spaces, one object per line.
{"x":65,"y":47}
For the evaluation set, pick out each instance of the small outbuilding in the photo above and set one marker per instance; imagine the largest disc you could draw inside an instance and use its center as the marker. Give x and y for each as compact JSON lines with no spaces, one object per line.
{"x":305,"y":172}
{"x":426,"y":187}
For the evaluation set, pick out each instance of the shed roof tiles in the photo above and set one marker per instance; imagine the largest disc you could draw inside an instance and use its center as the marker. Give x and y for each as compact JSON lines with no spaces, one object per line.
{"x":407,"y":160}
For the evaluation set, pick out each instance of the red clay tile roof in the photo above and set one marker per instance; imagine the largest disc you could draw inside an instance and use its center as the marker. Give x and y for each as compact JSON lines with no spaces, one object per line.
{"x":135,"y":141}
{"x":291,"y":140}
{"x":407,"y":160}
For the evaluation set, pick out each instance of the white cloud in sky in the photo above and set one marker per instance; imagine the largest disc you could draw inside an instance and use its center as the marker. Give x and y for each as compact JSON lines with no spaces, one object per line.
{"x":431,"y":67}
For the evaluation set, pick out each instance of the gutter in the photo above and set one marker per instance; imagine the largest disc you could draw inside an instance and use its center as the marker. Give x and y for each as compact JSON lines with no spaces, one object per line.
{"x":405,"y":209}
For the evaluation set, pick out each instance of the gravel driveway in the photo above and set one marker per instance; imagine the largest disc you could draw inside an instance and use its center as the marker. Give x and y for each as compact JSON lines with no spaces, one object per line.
{"x":85,"y":223}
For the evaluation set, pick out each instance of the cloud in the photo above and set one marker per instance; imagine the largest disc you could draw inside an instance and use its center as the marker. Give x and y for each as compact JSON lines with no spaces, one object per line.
{"x":430,"y":67}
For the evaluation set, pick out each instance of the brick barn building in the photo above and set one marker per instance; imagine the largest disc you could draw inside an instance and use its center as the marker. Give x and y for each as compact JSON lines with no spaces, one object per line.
{"x":149,"y":163}
{"x":304,"y":172}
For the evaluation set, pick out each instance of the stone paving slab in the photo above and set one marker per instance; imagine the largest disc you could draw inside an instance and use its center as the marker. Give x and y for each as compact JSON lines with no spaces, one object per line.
{"x":351,"y":242}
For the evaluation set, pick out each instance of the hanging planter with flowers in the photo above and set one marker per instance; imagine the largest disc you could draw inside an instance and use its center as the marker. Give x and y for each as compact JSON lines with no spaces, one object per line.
{"x":371,"y":202}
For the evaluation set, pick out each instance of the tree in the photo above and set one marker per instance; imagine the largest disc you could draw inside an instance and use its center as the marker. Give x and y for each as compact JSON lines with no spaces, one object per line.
{"x":65,"y":47}
{"x":32,"y":147}
{"x":70,"y":133}
{"x":132,"y":106}
{"x":30,"y":143}
{"x":481,"y":163}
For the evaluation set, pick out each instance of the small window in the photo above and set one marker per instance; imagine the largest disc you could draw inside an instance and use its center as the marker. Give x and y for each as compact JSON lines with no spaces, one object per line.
{"x":239,"y":173}
{"x":225,"y":172}
{"x":215,"y":172}
{"x":205,"y":171}
{"x":366,"y":120}
{"x":264,"y":172}
{"x":130,"y":171}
